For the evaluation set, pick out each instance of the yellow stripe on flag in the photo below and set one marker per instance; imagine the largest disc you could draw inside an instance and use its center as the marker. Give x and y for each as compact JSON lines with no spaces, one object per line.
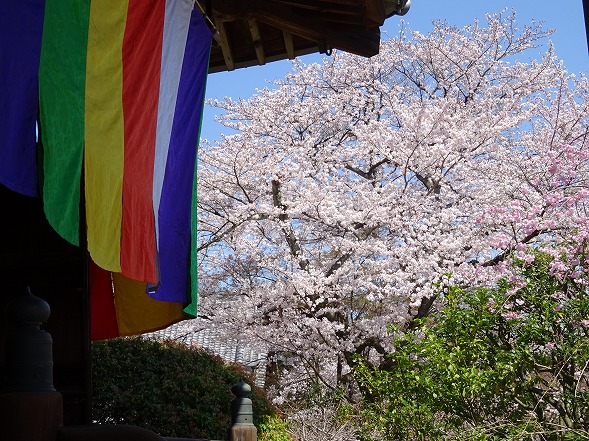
{"x":137,"y":312}
{"x":104,"y":135}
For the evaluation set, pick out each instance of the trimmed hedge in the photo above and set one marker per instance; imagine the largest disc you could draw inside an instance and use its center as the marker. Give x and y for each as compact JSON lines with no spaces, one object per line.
{"x":168,"y":388}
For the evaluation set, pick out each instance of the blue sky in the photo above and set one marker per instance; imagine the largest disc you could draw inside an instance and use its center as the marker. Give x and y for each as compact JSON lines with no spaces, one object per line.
{"x":566,"y":17}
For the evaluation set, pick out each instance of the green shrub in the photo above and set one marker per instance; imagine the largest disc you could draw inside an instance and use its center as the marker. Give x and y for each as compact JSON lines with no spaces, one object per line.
{"x":508,"y":362}
{"x":168,"y":388}
{"x":273,"y":428}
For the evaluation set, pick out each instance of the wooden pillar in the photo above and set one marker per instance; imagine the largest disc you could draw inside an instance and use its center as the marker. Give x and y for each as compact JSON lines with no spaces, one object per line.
{"x":30,"y":407}
{"x":33,"y":254}
{"x":29,"y":416}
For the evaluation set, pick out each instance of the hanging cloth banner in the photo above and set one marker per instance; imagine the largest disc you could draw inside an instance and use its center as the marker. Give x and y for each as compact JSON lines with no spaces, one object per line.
{"x":121,"y":91}
{"x":120,"y":307}
{"x":21,"y":27}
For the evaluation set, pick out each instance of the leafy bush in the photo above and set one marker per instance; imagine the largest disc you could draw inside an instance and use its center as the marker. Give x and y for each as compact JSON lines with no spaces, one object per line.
{"x":273,"y":428}
{"x":509,"y":362}
{"x":169,"y":388}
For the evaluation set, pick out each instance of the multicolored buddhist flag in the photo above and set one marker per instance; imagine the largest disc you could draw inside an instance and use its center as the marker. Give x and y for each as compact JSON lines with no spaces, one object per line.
{"x":120,"y":306}
{"x":120,"y":91}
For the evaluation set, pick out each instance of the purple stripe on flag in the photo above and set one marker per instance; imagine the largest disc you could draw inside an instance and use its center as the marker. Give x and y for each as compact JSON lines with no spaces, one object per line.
{"x":21,"y":30}
{"x":176,"y":199}
{"x":176,"y":26}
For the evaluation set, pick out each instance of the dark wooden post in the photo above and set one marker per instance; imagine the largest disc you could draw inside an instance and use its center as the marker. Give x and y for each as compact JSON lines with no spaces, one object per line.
{"x":242,"y":415}
{"x":30,"y":407}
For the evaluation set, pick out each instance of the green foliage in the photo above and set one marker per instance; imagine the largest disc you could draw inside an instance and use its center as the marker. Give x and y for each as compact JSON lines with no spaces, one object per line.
{"x":504,"y":363}
{"x":273,"y":428}
{"x":169,"y":389}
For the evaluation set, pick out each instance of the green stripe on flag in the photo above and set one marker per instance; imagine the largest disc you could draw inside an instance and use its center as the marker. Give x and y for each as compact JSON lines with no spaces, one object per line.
{"x":62,"y":79}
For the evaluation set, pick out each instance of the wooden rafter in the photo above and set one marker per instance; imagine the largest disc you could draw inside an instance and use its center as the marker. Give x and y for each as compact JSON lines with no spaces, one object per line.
{"x":358,"y":40}
{"x":257,"y":41}
{"x":254,"y":32}
{"x":289,"y":45}
{"x":323,"y":7}
{"x":224,"y":43}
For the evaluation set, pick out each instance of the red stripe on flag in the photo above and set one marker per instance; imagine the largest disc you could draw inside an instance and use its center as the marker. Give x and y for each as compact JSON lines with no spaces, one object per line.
{"x":142,"y":49}
{"x":103,"y":320}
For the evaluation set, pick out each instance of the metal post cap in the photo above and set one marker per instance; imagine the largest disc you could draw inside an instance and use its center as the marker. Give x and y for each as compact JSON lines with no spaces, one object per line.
{"x":28,"y":309}
{"x":241,"y":389}
{"x":241,"y":407}
{"x":28,"y":351}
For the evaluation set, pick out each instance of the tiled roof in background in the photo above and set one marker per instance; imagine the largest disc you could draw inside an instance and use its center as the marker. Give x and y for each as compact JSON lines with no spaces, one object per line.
{"x":201,"y":333}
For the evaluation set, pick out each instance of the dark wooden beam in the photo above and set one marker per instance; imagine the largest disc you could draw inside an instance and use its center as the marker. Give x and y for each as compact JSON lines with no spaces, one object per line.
{"x":257,"y":41}
{"x":289,"y":45}
{"x":365,"y":12}
{"x":322,"y":7}
{"x":359,"y":39}
{"x":375,"y":13}
{"x":225,"y":46}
